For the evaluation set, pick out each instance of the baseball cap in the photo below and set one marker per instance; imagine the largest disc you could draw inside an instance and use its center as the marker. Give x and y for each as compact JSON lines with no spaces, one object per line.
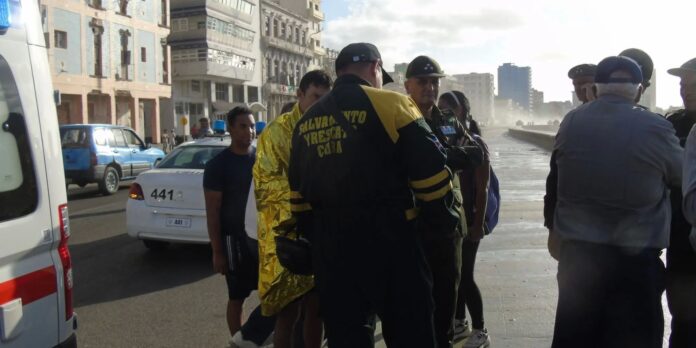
{"x":582,"y":70}
{"x":686,"y":68}
{"x":610,"y":65}
{"x":424,"y":66}
{"x":644,"y":62}
{"x":360,"y":52}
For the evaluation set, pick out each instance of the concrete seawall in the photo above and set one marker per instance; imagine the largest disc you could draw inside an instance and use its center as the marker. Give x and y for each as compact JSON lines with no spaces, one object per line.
{"x":544,"y":140}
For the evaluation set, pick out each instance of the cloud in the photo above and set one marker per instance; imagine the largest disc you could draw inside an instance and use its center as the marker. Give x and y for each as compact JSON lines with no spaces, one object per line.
{"x":406,"y":26}
{"x":549,"y":35}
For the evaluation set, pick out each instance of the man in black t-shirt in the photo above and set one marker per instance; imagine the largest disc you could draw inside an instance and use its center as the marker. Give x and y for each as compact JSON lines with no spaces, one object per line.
{"x":226,"y":182}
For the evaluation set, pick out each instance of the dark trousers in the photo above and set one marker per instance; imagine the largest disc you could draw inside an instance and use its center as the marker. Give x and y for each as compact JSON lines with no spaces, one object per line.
{"x":681,"y":297}
{"x":609,"y":297}
{"x":258,"y":327}
{"x":444,"y":257}
{"x":469,"y":294}
{"x":403,"y":302}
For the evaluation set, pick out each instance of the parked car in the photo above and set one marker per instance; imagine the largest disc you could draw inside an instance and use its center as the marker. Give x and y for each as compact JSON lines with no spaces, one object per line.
{"x":166,"y":204}
{"x":104,"y":154}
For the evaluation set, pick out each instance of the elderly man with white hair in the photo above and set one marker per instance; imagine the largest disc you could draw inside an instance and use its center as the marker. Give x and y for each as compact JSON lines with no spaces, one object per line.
{"x":615,"y":161}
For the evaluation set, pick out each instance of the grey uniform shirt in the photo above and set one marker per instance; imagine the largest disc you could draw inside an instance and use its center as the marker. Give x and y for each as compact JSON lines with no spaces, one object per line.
{"x":615,"y":162}
{"x":689,"y":184}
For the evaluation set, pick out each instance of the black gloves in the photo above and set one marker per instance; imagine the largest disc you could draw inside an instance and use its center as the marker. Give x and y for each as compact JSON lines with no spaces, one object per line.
{"x":464,"y":156}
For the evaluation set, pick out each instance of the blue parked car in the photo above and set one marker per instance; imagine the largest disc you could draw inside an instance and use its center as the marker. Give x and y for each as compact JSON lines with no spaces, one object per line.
{"x":104,"y":154}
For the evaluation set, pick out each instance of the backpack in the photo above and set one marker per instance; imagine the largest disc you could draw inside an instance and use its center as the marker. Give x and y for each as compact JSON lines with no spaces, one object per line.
{"x":493,"y":206}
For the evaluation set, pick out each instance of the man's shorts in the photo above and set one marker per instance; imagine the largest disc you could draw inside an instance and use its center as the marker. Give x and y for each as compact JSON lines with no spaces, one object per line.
{"x":242,"y":279}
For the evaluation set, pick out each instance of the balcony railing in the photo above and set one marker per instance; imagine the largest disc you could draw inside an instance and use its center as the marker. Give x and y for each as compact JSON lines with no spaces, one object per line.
{"x":287,"y":46}
{"x":316,"y":13}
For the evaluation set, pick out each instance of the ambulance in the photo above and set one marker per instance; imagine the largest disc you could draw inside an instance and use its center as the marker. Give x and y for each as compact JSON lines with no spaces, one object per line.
{"x":36,"y":283}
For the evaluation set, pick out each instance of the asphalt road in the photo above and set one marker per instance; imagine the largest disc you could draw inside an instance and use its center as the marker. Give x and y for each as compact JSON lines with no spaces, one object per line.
{"x":127,"y":296}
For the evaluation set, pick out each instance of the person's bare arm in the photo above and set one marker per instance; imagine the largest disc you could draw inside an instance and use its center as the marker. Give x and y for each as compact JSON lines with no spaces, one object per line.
{"x":213,"y":204}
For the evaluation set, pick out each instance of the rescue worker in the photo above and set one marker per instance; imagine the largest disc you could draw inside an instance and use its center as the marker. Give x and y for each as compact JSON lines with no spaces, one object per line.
{"x":363,"y":166}
{"x":279,"y":289}
{"x":681,"y":254}
{"x":443,"y":250}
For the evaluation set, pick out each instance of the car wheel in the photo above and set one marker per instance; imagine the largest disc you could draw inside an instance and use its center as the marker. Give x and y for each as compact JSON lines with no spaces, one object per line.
{"x":109,"y":183}
{"x":155,"y":245}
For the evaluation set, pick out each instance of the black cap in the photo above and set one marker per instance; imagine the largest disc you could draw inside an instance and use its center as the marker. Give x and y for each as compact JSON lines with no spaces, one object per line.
{"x":686,"y":68}
{"x":643,"y":60}
{"x":360,"y":52}
{"x":423,"y":66}
{"x":582,"y":70}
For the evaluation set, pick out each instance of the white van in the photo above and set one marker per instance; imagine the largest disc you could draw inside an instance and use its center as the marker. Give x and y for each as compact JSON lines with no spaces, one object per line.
{"x":35,"y":269}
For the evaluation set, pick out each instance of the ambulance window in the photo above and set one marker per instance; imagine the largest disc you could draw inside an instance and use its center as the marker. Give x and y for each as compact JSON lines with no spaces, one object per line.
{"x":18,"y":188}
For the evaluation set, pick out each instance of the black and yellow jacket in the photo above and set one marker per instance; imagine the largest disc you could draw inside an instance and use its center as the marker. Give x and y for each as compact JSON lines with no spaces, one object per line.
{"x":373,"y":181}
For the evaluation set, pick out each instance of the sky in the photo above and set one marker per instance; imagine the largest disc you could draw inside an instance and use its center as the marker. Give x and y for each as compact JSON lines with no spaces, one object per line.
{"x":551,"y":36}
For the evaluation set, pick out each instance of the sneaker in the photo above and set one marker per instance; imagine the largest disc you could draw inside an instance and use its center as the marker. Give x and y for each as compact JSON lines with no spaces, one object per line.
{"x":239,"y":342}
{"x":478,"y":339}
{"x":462,"y":329}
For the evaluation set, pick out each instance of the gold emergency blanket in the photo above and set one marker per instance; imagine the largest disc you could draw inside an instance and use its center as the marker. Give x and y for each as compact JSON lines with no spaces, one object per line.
{"x":277,"y":286}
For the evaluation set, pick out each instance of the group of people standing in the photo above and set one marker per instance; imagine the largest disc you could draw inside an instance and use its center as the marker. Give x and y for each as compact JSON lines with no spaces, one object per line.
{"x":620,"y":190}
{"x":389,"y":192}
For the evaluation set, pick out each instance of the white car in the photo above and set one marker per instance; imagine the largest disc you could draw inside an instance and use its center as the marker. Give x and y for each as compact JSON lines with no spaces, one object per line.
{"x":166,"y":204}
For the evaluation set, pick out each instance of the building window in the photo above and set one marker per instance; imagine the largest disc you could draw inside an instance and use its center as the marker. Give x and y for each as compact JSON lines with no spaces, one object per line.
{"x":123,"y":7}
{"x":180,"y":24}
{"x":242,"y":6}
{"x":297,"y":35}
{"x":304,"y":37}
{"x":195,"y":109}
{"x":61,"y":39}
{"x":165,"y":12}
{"x":252,"y":94}
{"x":143,"y":54}
{"x":96,"y":4}
{"x":98,"y":32}
{"x":275,"y":27}
{"x":179,"y":108}
{"x":267,"y":26}
{"x":283,"y":31}
{"x":125,"y":55}
{"x":165,"y":61}
{"x":269,"y":68}
{"x":221,"y":91}
{"x":196,"y":86}
{"x":238,"y":93}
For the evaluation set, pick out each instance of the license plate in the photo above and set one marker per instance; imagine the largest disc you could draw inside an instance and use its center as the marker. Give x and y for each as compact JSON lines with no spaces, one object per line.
{"x":182,"y":222}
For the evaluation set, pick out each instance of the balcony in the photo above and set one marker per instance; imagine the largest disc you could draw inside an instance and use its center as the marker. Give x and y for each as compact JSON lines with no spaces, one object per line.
{"x":318,"y":50}
{"x":316,"y":14}
{"x":287,"y":46}
{"x":277,"y":88}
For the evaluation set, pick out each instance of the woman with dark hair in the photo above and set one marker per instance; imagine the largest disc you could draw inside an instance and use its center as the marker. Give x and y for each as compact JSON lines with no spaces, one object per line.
{"x":474,"y":186}
{"x":459,"y":104}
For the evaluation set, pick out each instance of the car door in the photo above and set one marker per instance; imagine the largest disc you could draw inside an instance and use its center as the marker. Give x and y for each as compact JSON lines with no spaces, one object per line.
{"x":140,"y":159}
{"x":121,"y":151}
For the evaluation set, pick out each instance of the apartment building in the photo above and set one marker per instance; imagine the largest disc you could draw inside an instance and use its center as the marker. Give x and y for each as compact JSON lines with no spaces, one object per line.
{"x":110,"y":61}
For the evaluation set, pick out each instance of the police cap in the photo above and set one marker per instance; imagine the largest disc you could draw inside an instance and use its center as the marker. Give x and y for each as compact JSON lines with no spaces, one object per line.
{"x":610,"y":65}
{"x":643,"y":60}
{"x":582,"y":70}
{"x":686,"y":68}
{"x":424,"y":66}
